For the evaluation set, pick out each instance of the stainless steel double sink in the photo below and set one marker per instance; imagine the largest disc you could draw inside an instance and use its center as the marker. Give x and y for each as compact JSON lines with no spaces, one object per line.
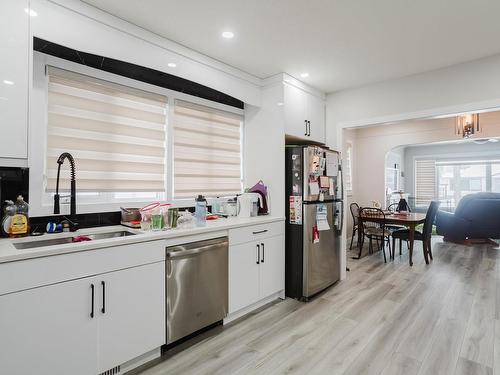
{"x":65,"y":240}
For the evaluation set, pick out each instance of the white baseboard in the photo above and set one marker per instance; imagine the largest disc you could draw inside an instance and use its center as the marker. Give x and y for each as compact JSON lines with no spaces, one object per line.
{"x":242,"y":312}
{"x":139,"y":361}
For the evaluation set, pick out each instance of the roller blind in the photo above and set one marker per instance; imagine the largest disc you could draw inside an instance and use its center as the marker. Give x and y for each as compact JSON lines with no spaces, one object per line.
{"x":347,"y":168}
{"x":425,"y":181}
{"x":115,"y":133}
{"x":207,"y":151}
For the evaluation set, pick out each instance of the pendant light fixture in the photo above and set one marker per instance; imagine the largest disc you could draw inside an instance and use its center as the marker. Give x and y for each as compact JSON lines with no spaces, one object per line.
{"x":467,"y":125}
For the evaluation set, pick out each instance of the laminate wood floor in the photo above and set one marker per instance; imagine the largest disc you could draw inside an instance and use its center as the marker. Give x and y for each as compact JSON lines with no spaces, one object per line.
{"x":442,"y":318}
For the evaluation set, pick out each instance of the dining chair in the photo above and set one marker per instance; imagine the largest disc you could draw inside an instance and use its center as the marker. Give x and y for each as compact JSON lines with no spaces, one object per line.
{"x":372,"y":222}
{"x":354,"y":207}
{"x":393,"y":208}
{"x":424,"y":236}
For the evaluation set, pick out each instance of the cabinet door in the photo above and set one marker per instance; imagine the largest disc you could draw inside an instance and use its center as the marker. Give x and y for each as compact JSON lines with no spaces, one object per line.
{"x":14,"y":44}
{"x":133,"y":320}
{"x":295,"y":107}
{"x":243,"y":275}
{"x":316,"y":115}
{"x":49,"y":330}
{"x":272,"y":266}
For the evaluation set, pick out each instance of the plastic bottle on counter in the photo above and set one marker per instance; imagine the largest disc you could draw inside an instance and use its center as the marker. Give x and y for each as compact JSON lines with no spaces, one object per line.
{"x":19,"y":224}
{"x":200,"y":211}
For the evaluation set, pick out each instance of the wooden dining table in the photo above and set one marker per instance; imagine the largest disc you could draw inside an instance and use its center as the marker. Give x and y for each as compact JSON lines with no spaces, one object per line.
{"x":409,"y":220}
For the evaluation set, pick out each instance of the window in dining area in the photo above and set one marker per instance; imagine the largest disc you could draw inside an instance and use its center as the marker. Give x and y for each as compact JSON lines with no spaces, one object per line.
{"x":457,"y":179}
{"x":449,"y":181}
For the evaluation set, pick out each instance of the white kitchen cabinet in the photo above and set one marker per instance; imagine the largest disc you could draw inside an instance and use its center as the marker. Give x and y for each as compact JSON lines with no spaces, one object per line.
{"x":52,"y":326}
{"x":304,"y":114}
{"x":256,"y":268}
{"x":133,"y":321}
{"x":49,"y":330}
{"x":295,"y":105}
{"x":14,"y":69}
{"x":316,"y":117}
{"x":244,"y":276}
{"x":272,"y":266}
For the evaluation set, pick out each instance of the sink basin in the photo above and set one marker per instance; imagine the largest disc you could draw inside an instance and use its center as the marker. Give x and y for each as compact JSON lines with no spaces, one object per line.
{"x":65,"y":240}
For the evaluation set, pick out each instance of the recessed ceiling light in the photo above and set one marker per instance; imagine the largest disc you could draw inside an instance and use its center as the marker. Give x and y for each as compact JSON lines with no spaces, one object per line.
{"x":279,"y":104}
{"x":172,"y":65}
{"x":228,"y":34}
{"x":304,"y":75}
{"x":31,"y":12}
{"x":7,"y":82}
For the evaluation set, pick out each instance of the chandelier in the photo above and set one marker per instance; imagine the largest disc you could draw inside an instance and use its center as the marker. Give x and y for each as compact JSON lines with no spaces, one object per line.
{"x":467,"y":125}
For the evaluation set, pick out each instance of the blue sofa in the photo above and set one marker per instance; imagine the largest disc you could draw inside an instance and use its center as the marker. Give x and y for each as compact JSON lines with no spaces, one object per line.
{"x":477,"y":216}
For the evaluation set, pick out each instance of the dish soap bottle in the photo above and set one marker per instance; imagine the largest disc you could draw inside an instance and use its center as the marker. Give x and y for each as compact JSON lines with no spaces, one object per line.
{"x":200,"y":211}
{"x":19,"y":224}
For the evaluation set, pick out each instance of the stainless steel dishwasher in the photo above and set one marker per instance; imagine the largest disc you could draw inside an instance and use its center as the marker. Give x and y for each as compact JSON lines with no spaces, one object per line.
{"x":197,"y":286}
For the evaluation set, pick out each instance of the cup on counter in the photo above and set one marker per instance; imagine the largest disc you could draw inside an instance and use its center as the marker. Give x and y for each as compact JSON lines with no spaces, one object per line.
{"x":173,"y":215}
{"x":157,"y":219}
{"x":147,"y":215}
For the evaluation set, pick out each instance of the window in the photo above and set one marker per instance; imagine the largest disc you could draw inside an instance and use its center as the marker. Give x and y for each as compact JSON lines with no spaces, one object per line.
{"x":207,"y":151}
{"x":348,"y":168}
{"x":449,"y":180}
{"x":116,"y":134}
{"x":133,"y":142}
{"x":425,"y":182}
{"x":457,"y":179}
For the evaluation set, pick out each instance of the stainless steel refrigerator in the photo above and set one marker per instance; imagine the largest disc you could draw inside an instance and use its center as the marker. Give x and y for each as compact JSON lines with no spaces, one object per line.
{"x":314,"y":207}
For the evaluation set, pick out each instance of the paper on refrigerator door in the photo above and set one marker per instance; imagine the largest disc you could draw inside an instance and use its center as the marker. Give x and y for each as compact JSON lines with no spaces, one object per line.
{"x":322,"y":217}
{"x":331,"y":188}
{"x":332,"y":164}
{"x":295,"y":209}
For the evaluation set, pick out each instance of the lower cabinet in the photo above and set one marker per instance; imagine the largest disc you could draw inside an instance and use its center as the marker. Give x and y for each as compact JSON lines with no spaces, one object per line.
{"x":130,"y":314}
{"x":85,"y":326}
{"x":272,"y":266}
{"x":256,"y":271}
{"x":49,"y":330}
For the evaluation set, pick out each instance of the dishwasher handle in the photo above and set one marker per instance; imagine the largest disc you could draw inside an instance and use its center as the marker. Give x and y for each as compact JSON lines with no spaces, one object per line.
{"x":198,"y":250}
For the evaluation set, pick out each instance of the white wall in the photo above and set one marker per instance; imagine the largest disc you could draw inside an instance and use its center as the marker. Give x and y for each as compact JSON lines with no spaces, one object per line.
{"x":76,"y":25}
{"x":373,"y":144}
{"x":460,"y":88}
{"x":265,"y":146}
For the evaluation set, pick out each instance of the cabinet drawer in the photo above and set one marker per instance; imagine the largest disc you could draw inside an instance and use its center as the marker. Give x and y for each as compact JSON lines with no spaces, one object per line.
{"x":255,"y":232}
{"x":37,"y":272}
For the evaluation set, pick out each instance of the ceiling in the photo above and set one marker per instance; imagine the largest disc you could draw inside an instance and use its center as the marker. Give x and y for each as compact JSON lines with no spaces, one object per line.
{"x":340,"y":43}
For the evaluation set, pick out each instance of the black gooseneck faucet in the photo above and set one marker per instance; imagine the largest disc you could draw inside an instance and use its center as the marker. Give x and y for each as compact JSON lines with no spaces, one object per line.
{"x":57,"y":210}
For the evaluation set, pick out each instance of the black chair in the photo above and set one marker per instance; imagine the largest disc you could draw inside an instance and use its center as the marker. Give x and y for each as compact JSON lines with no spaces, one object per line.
{"x":354,"y":207}
{"x":394,"y":207}
{"x":372,"y":224}
{"x":424,"y":236}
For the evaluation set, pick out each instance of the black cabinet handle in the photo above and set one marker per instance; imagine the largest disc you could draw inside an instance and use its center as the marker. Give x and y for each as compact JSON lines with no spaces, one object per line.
{"x":258,"y":254}
{"x":103,"y":309}
{"x":309,"y":132}
{"x":92,"y":307}
{"x":306,"y":127}
{"x":262,"y":260}
{"x":260,"y":231}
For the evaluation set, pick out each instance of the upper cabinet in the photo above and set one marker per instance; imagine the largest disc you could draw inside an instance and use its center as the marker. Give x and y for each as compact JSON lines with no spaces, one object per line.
{"x":304,"y":114}
{"x":14,"y":69}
